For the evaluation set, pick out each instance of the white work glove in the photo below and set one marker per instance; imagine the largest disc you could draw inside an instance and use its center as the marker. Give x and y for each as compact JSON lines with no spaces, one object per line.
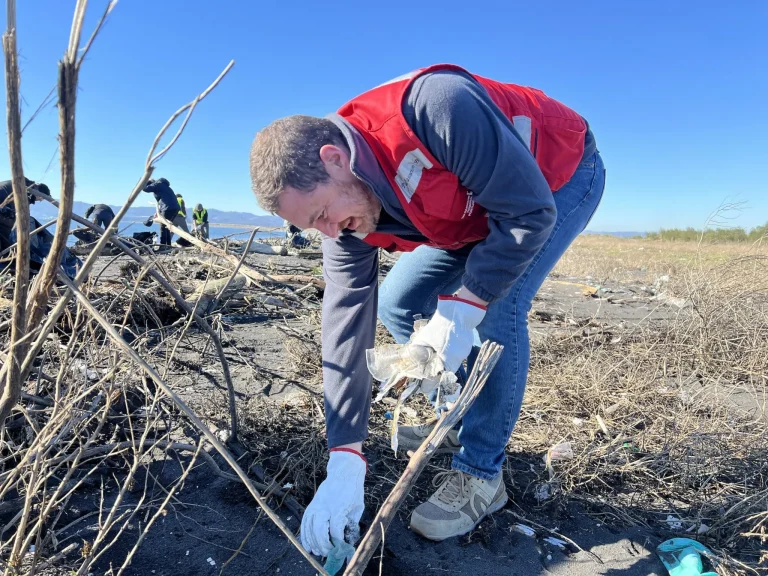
{"x":450,"y":330}
{"x":337,"y":504}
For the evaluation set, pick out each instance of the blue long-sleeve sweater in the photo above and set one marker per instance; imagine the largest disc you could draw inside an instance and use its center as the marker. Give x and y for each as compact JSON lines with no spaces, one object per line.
{"x":453,"y":116}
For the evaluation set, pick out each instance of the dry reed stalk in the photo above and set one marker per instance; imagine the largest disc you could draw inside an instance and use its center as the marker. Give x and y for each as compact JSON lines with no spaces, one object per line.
{"x":11,"y":380}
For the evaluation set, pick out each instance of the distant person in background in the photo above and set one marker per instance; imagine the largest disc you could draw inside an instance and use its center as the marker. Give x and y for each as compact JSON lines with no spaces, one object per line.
{"x":200,"y":221}
{"x":7,"y":210}
{"x":293,"y":234}
{"x":182,"y":205}
{"x":6,"y":192}
{"x":39,"y":244}
{"x":100,"y":214}
{"x":181,"y":218}
{"x":167,"y":205}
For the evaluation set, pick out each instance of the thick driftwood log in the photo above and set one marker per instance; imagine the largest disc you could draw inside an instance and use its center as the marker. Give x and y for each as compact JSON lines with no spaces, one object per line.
{"x":212,"y":248}
{"x":251,"y":273}
{"x":259,"y":248}
{"x":208,"y":293}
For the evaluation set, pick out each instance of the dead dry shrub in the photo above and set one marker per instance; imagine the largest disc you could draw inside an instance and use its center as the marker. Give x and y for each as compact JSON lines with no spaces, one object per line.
{"x":303,"y":352}
{"x":93,"y":429}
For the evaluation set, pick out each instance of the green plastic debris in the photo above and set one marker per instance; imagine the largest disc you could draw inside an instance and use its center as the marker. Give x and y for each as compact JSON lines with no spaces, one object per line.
{"x":682,"y":557}
{"x":341,"y":551}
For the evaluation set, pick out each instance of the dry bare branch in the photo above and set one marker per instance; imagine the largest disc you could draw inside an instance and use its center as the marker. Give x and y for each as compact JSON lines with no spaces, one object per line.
{"x":11,"y":380}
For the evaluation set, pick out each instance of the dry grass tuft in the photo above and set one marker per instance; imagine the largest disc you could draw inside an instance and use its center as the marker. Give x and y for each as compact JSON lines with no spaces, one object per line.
{"x":684,"y":409}
{"x":629,"y":259}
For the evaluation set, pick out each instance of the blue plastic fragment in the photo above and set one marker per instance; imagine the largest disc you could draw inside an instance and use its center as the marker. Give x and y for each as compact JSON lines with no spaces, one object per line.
{"x":341,"y":551}
{"x":682,"y":557}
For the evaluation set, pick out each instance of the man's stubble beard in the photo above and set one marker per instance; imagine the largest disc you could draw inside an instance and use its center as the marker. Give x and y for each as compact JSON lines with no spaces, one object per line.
{"x":371,"y":207}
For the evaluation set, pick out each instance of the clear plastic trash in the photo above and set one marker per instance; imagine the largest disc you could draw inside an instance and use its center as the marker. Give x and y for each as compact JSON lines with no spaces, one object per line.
{"x":410,"y":360}
{"x":408,"y":368}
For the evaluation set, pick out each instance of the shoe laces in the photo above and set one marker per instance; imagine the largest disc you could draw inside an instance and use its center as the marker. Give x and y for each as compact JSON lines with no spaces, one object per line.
{"x":453,"y":482}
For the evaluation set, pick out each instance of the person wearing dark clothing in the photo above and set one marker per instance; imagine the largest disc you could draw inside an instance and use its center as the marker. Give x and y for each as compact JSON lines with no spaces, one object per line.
{"x":295,"y":239}
{"x":167,"y":205}
{"x":6,"y":189}
{"x":40,"y":244}
{"x":100,"y":214}
{"x":7,"y":210}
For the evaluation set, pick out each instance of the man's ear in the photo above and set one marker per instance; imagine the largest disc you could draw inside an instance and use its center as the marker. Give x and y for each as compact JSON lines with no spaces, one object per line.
{"x":335,"y":159}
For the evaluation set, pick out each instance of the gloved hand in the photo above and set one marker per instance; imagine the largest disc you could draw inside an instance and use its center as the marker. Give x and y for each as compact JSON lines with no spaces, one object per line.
{"x":337,"y":504}
{"x":450,"y":330}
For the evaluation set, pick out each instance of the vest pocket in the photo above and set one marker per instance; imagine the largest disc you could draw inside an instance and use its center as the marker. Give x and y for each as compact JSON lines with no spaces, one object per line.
{"x":560,"y":148}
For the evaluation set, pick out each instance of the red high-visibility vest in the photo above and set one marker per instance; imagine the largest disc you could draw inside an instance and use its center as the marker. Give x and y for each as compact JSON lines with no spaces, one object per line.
{"x":433,"y":198}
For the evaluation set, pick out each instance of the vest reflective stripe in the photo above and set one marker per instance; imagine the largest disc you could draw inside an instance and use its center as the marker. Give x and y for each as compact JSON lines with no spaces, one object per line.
{"x":523,"y":127}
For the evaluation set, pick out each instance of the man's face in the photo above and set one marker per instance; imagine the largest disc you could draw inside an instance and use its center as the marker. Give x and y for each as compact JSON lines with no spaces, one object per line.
{"x":343,"y":202}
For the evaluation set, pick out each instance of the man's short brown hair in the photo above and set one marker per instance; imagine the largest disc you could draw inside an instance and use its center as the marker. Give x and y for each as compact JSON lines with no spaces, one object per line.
{"x":287,"y":153}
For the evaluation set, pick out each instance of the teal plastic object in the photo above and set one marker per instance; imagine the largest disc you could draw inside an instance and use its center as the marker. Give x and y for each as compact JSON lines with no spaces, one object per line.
{"x":682,"y":557}
{"x":341,"y":551}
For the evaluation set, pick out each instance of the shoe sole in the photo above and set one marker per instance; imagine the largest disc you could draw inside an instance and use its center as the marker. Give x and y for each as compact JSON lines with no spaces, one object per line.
{"x":492,"y":509}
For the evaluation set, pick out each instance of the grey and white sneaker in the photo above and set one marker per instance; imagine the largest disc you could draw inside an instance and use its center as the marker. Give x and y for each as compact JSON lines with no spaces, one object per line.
{"x":411,"y":438}
{"x":458,"y":505}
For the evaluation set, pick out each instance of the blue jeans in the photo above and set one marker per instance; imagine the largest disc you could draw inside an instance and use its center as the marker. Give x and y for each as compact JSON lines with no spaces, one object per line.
{"x":418,"y":277}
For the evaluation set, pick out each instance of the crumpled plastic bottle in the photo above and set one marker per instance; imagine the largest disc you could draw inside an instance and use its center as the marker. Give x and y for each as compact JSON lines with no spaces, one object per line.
{"x":341,"y":551}
{"x":405,"y":359}
{"x":409,"y":368}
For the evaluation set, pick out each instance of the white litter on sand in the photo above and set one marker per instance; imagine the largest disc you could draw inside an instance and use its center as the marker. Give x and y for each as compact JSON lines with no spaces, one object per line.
{"x":555,"y":542}
{"x":523,"y":529}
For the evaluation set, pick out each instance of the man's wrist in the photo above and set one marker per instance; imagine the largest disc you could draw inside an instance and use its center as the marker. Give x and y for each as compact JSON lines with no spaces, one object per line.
{"x":355,"y":448}
{"x":465,"y":294}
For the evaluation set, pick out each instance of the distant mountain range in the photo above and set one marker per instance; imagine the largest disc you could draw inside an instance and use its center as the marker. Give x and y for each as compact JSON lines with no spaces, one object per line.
{"x":44,"y":212}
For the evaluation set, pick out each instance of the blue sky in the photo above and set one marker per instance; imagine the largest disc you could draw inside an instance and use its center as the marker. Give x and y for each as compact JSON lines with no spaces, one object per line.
{"x":676,"y":92}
